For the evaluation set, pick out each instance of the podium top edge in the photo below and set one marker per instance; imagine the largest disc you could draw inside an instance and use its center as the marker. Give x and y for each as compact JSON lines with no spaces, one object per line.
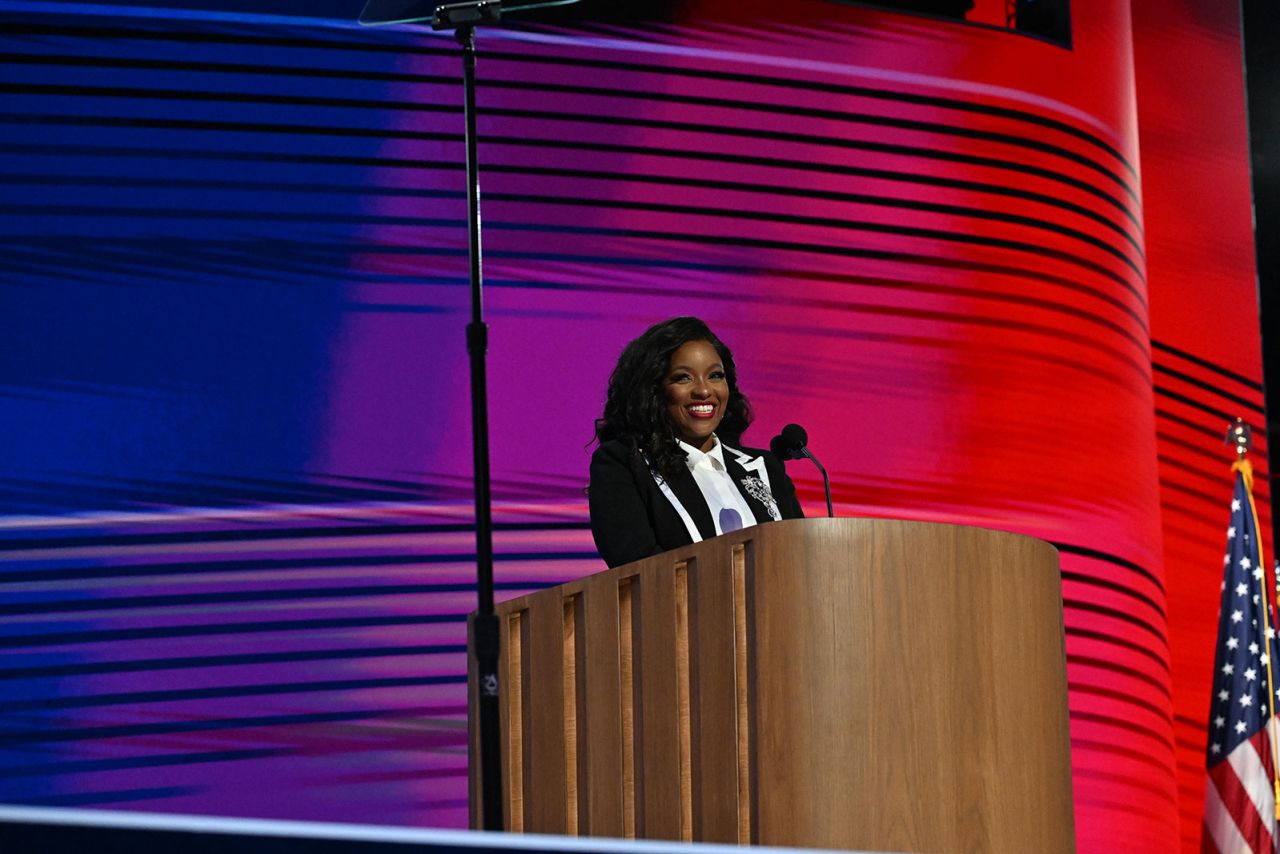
{"x":361,"y":837}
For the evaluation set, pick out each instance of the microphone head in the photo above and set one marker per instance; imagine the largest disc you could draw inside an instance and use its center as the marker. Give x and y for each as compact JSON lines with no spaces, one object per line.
{"x":788,"y":445}
{"x":795,"y":436}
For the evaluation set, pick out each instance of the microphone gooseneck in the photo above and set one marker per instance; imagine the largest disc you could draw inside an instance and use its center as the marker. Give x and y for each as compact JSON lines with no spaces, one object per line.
{"x":792,"y":444}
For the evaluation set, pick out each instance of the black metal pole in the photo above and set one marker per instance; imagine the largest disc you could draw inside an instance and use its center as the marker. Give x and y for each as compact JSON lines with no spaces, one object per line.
{"x":485,"y":624}
{"x":826,"y":484}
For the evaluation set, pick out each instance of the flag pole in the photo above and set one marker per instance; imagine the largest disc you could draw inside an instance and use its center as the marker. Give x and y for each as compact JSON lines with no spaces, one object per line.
{"x":1240,"y":436}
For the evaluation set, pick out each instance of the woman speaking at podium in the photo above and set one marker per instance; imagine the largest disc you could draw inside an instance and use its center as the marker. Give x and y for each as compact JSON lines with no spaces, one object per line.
{"x":669,"y":470}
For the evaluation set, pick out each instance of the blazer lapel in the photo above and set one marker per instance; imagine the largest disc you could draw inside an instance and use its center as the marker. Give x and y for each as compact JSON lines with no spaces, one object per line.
{"x":737,"y":472}
{"x":686,"y":489}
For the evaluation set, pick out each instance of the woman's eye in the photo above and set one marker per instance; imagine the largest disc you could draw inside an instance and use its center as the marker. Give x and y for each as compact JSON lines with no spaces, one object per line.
{"x":679,"y":378}
{"x":717,"y":375}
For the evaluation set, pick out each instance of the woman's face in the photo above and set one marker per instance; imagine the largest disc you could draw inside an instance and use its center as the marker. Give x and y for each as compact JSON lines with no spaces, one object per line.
{"x":697,"y":392}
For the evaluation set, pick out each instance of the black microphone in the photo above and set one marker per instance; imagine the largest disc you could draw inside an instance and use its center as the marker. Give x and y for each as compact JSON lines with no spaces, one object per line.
{"x":792,"y":444}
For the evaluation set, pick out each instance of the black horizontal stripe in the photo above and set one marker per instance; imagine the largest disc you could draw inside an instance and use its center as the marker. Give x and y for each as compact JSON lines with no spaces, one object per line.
{"x":526,"y":141}
{"x":1126,"y":697}
{"x":1190,"y":516}
{"x":754,"y":214}
{"x":1114,"y":560}
{"x":986,"y":294}
{"x":352,"y":40}
{"x":94,"y":733}
{"x":193,"y":568}
{"x":194,"y":630}
{"x":1211,"y":457}
{"x":1159,"y":660}
{"x":1208,"y":499}
{"x":1214,"y":465}
{"x":1044,"y":330}
{"x":61,"y":120}
{"x":389,"y":42}
{"x":1187,"y":400}
{"x":658,"y":262}
{"x":256,"y":69}
{"x":1208,"y":474}
{"x":1157,"y":632}
{"x":75,"y":540}
{"x":824,"y":249}
{"x":223,"y":597}
{"x":252,"y":215}
{"x":192,"y":662}
{"x":1118,"y":669}
{"x":1115,"y":587}
{"x":1200,"y":725}
{"x":846,"y":117}
{"x":1106,"y":748}
{"x":366,"y":190}
{"x":170,"y":760}
{"x":834,"y":195}
{"x":1206,"y":364}
{"x":184,"y":96}
{"x":197,"y":96}
{"x":125,"y":763}
{"x":1132,"y":727}
{"x":818,"y":167}
{"x":103,"y":797}
{"x":788,"y":83}
{"x":1253,"y":405}
{"x":897,"y":284}
{"x":1166,"y":415}
{"x":175,"y":695}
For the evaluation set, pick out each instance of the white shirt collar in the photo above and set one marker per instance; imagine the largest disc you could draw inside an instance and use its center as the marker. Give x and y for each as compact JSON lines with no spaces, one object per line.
{"x":713,"y":457}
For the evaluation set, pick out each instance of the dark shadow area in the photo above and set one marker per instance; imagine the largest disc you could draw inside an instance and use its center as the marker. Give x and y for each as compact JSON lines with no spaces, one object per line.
{"x":1262,"y":79}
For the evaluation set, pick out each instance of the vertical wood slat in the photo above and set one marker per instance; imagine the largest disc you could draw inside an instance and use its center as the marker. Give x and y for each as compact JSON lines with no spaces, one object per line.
{"x":713,"y":675}
{"x":658,"y":771}
{"x":628,"y":613}
{"x":570,"y":701}
{"x":742,"y":694}
{"x":683,"y":702}
{"x":514,"y":707}
{"x":600,"y":753}
{"x":630,"y":604}
{"x":545,"y":728}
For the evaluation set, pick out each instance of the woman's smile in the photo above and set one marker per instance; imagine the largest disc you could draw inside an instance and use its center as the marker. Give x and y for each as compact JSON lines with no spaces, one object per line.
{"x":697,"y":391}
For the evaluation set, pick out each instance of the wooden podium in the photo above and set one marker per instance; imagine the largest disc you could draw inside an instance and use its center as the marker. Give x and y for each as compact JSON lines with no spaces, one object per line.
{"x":832,"y":683}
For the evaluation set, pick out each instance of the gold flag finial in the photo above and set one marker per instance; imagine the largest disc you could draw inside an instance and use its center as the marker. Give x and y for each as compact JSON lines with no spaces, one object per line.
{"x":1240,"y":437}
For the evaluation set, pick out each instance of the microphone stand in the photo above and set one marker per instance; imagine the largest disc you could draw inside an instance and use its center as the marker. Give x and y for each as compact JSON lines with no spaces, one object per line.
{"x":463,"y":18}
{"x":826,"y":484}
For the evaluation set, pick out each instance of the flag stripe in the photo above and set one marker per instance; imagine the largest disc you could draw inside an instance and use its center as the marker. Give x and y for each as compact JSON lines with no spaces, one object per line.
{"x":1252,"y":772}
{"x":1218,"y":823}
{"x":1239,"y":807}
{"x":1207,"y":845}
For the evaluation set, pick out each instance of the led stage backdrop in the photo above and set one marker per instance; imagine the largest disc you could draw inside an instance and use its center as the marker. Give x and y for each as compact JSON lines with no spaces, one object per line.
{"x":237,"y":551}
{"x":1205,"y":357}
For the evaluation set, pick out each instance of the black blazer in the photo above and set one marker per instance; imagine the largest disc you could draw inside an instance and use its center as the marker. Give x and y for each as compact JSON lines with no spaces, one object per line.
{"x":631,"y":518}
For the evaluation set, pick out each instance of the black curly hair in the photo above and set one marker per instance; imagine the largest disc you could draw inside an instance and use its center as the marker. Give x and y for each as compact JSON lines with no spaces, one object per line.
{"x":635,"y":406}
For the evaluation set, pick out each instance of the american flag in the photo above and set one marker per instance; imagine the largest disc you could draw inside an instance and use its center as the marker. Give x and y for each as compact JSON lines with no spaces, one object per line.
{"x":1239,"y":810}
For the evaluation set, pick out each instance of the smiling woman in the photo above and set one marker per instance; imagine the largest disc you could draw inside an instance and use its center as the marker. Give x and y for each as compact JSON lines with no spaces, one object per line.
{"x":669,"y":470}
